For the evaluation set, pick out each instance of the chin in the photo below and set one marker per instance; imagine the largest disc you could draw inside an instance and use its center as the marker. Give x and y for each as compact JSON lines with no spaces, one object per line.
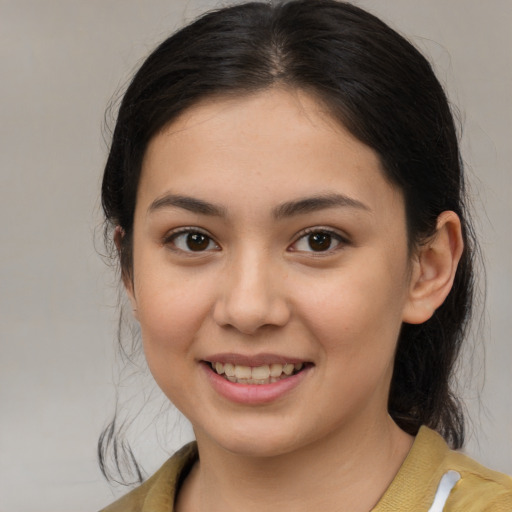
{"x":258,"y":448}
{"x":258,"y":441}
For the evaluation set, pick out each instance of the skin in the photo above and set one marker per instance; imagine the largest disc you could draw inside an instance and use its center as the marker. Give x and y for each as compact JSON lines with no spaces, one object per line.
{"x":258,"y":287}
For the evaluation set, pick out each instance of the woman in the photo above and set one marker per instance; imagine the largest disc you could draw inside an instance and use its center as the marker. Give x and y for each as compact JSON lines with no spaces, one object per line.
{"x":285,"y":193}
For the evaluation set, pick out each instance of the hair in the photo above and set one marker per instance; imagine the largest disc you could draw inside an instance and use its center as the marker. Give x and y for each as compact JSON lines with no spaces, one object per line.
{"x":377,"y":85}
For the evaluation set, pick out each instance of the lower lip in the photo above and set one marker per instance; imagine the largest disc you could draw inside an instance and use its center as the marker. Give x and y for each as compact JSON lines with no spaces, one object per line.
{"x":253,"y":394}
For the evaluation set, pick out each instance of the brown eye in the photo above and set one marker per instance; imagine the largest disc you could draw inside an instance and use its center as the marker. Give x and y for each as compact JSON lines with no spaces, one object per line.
{"x":191,"y":241}
{"x":320,"y":241}
{"x":197,"y":241}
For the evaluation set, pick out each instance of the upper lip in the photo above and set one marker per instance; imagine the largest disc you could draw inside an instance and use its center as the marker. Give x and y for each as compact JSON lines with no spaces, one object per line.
{"x":253,"y":360}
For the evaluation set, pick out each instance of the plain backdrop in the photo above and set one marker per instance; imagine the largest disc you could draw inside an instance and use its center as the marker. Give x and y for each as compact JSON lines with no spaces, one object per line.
{"x":61,"y":62}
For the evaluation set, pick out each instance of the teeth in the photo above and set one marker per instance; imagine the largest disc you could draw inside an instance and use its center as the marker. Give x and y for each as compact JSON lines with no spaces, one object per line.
{"x":229,"y":369}
{"x":261,"y":372}
{"x":288,"y":369}
{"x":242,"y":372}
{"x":276,"y":370}
{"x":265,"y":374}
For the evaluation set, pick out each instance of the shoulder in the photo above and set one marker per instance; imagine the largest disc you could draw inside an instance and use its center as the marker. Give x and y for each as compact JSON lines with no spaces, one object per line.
{"x":479,"y":488}
{"x":157,"y":493}
{"x":434,"y":478}
{"x":475,"y":488}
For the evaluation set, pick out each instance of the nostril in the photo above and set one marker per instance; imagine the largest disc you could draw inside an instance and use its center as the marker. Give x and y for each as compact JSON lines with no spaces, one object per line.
{"x":250,"y":315}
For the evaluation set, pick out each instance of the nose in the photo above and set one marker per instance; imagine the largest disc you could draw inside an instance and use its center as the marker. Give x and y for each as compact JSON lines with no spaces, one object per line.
{"x":252,"y":295}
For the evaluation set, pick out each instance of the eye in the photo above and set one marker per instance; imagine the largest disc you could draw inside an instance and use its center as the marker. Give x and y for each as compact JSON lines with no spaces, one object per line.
{"x":191,"y":241}
{"x":318,"y":240}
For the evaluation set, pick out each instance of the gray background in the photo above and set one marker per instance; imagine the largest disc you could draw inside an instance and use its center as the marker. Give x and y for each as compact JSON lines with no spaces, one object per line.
{"x":61,"y":61}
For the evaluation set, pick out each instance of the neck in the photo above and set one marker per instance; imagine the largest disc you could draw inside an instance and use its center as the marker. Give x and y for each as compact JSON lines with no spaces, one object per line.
{"x":352,"y":468}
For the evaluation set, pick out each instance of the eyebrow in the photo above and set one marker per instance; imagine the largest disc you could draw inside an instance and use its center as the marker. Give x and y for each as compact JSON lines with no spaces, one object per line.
{"x":316,"y":203}
{"x":191,"y":204}
{"x":288,"y":209}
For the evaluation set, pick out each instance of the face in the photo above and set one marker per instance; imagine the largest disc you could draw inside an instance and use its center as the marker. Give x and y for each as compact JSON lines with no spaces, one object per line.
{"x":270,"y":273}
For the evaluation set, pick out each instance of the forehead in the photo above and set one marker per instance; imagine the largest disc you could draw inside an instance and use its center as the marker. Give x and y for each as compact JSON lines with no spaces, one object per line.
{"x":276,"y":145}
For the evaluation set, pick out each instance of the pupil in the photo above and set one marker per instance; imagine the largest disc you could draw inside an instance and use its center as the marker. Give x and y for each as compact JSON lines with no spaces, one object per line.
{"x":319,"y":241}
{"x":197,"y":241}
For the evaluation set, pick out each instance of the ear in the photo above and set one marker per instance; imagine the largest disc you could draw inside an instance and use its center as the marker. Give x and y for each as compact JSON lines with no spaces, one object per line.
{"x":125,"y":275}
{"x":434,"y":269}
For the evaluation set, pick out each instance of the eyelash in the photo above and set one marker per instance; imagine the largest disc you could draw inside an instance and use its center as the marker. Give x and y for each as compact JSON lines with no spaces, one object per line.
{"x":334,"y":236}
{"x":170,"y":240}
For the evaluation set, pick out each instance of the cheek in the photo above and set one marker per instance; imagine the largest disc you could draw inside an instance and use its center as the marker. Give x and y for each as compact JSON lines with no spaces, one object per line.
{"x":171,"y":312}
{"x":357,"y":311}
{"x":171,"y":309}
{"x":355,"y":321}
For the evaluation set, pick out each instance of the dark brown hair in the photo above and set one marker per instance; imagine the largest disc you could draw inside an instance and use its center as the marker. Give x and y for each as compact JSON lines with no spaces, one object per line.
{"x":377,"y":85}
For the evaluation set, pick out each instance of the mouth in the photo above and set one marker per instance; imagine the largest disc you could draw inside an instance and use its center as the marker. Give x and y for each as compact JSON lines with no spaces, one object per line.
{"x":256,"y":375}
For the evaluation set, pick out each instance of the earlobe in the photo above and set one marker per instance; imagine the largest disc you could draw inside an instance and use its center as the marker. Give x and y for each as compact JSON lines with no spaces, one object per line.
{"x":126,"y":277}
{"x":434,"y":269}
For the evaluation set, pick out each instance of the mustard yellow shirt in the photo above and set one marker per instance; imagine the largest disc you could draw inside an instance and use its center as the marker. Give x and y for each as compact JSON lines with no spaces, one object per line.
{"x":432,"y":478}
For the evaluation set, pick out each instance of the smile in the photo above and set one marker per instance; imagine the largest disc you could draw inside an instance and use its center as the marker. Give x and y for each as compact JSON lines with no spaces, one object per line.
{"x":265,"y":374}
{"x":257,"y":379}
